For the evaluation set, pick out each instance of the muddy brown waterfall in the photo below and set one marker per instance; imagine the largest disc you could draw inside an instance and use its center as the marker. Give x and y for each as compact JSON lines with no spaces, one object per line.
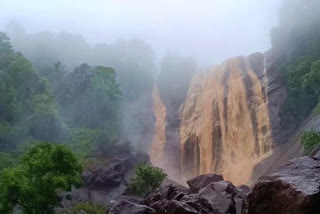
{"x":221,"y":123}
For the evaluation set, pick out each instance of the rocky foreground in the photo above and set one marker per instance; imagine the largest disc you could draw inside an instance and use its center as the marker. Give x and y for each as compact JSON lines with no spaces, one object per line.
{"x":292,"y":188}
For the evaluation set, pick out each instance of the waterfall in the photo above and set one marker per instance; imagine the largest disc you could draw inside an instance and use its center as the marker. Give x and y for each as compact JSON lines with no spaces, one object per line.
{"x":224,"y":124}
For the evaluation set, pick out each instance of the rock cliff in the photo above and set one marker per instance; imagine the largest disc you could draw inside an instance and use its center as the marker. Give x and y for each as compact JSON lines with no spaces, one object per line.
{"x":226,"y":123}
{"x":291,"y":188}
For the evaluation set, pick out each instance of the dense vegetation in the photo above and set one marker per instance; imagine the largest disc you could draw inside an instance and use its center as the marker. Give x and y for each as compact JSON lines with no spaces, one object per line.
{"x":133,"y":61}
{"x":147,"y":180}
{"x":310,"y":140}
{"x":27,"y":108}
{"x":298,"y":36}
{"x":42,"y":101}
{"x":81,"y":109}
{"x":34,"y":183}
{"x":78,"y":108}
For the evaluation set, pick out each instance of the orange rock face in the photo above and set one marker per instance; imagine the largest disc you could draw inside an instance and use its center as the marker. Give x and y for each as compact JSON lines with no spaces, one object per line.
{"x":224,"y":125}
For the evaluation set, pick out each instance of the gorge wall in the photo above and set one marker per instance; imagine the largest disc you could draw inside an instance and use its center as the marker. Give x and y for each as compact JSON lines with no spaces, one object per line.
{"x":225,"y":124}
{"x":225,"y":121}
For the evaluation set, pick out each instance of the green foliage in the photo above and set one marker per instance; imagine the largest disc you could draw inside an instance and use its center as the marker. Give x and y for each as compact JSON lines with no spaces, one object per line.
{"x":88,"y":208}
{"x":303,"y":82}
{"x":316,"y":110}
{"x":26,"y":105}
{"x":311,"y":80}
{"x":301,"y":98}
{"x":6,"y":52}
{"x":89,"y":97}
{"x":133,"y":61}
{"x":86,"y":142}
{"x":299,"y":32}
{"x":147,"y":179}
{"x":34,"y":184}
{"x":296,"y":43}
{"x":80,"y":108}
{"x":310,"y":140}
{"x":6,"y":160}
{"x":103,"y":83}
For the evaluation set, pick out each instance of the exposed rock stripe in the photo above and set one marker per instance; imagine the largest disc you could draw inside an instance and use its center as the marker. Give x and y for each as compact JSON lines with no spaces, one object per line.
{"x":247,"y":82}
{"x":223,"y":126}
{"x":229,"y":96}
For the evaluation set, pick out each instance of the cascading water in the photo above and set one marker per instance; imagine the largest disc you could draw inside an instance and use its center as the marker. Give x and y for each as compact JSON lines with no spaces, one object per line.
{"x":159,"y":135}
{"x":224,"y":125}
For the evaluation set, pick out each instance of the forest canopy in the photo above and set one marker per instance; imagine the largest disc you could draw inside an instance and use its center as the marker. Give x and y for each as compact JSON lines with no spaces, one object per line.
{"x":298,"y":36}
{"x":55,"y":105}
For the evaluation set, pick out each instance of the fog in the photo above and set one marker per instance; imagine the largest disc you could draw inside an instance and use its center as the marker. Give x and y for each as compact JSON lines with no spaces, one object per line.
{"x":98,"y":75}
{"x":139,"y":39}
{"x":209,"y":30}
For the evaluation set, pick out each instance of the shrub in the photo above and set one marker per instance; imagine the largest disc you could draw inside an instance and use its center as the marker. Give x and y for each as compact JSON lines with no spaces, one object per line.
{"x":88,"y":208}
{"x":310,"y":140}
{"x":148,"y":179}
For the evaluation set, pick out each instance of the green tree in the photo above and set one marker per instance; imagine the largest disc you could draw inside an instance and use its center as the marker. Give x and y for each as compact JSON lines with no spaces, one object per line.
{"x":148,"y":179}
{"x":6,"y":159}
{"x":6,"y":52}
{"x":34,"y":184}
{"x":90,"y":98}
{"x":27,"y":106}
{"x":311,"y":80}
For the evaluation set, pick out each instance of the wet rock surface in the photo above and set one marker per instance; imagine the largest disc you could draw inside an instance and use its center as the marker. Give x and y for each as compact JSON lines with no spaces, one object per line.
{"x":105,"y":180}
{"x":224,"y":197}
{"x":104,"y":175}
{"x":127,"y":207}
{"x":202,"y":181}
{"x":292,"y":188}
{"x":244,"y":188}
{"x":216,"y":196}
{"x":113,"y":172}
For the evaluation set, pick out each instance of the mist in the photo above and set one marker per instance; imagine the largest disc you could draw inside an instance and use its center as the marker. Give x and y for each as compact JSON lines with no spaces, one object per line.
{"x":143,"y":41}
{"x":210,"y":31}
{"x":103,"y":102}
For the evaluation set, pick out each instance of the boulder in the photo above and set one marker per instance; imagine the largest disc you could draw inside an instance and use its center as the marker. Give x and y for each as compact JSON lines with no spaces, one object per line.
{"x":218,"y":197}
{"x":105,"y":179}
{"x":174,"y":207}
{"x":292,"y":188}
{"x":166,"y":192}
{"x":244,"y":188}
{"x":317,"y":155}
{"x":182,"y":203}
{"x":224,"y":197}
{"x":202,"y":181}
{"x":133,"y":199}
{"x":104,"y":175}
{"x":127,"y":207}
{"x":112,"y":172}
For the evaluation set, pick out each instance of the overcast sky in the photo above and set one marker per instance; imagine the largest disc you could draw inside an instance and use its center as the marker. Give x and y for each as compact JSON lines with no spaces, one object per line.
{"x":210,"y":30}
